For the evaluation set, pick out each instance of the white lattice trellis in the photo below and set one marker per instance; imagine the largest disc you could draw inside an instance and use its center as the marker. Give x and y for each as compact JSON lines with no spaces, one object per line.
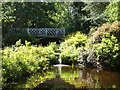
{"x":42,"y":31}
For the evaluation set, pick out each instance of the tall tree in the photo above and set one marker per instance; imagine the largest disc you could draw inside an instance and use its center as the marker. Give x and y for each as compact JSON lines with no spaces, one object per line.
{"x":95,"y":12}
{"x":112,"y":11}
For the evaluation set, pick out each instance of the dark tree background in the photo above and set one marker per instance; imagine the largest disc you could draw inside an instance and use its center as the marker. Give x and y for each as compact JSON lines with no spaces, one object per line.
{"x":73,"y":16}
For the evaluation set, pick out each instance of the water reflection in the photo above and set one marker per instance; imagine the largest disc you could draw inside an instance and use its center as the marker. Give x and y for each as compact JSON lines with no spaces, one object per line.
{"x":90,"y":77}
{"x":76,"y":78}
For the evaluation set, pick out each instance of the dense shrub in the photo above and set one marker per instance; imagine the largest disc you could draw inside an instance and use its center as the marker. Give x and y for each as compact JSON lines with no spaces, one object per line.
{"x":77,"y":40}
{"x":68,"y":55}
{"x":104,"y":54}
{"x":69,"y":47}
{"x":23,"y":60}
{"x":87,"y":56}
{"x":102,"y":49}
{"x":82,"y":56}
{"x":50,"y":50}
{"x":108,"y":51}
{"x":113,"y":28}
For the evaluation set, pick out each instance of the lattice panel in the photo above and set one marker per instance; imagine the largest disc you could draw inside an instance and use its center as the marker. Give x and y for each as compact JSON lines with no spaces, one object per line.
{"x":51,"y":31}
{"x":42,"y":31}
{"x":33,"y":31}
{"x":61,"y":32}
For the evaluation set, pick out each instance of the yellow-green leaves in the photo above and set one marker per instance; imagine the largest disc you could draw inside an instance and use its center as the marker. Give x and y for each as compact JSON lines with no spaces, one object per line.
{"x":108,"y":49}
{"x":70,"y":47}
{"x":112,"y":11}
{"x":18,"y":43}
{"x":20,"y":59}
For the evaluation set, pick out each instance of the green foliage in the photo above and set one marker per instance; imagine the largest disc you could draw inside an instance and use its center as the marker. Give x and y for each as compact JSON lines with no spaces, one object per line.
{"x":70,"y":45}
{"x":12,"y":37}
{"x":107,"y":51}
{"x":95,"y":12}
{"x":113,"y":28}
{"x":61,"y":15}
{"x":35,"y":14}
{"x":18,"y":43}
{"x":7,"y":11}
{"x":76,"y":40}
{"x":50,"y":51}
{"x":105,"y":46}
{"x":69,"y":15}
{"x":112,"y":11}
{"x":22,"y":60}
{"x":68,"y":55}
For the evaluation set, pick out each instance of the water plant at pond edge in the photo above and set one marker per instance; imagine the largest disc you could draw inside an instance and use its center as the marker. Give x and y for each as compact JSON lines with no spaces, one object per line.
{"x":20,"y":61}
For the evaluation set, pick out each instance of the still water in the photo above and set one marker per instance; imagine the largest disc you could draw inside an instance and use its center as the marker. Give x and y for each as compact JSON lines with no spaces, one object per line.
{"x":68,"y":78}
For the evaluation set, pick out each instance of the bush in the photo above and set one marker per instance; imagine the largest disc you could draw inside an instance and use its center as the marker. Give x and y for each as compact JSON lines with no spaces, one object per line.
{"x":113,"y":28}
{"x":69,"y":47}
{"x":68,"y":55}
{"x":50,"y":49}
{"x":108,"y":51}
{"x":87,"y":56}
{"x":77,"y":40}
{"x":104,"y":54}
{"x":82,"y":56}
{"x":23,"y":60}
{"x":102,"y":46}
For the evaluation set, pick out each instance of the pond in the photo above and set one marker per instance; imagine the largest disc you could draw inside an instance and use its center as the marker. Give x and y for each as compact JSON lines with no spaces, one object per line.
{"x":68,"y":78}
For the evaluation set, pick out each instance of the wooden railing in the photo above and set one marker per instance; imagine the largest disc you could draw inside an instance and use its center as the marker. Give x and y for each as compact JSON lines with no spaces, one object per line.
{"x":41,"y":32}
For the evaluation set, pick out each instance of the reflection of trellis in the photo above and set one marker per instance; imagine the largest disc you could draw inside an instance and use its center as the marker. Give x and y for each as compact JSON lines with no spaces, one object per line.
{"x":42,"y":31}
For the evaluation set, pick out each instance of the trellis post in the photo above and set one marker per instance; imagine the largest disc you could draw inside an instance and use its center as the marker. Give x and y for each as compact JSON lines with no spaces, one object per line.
{"x":63,"y":32}
{"x":28,"y":31}
{"x":46,"y":31}
{"x":56,"y":31}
